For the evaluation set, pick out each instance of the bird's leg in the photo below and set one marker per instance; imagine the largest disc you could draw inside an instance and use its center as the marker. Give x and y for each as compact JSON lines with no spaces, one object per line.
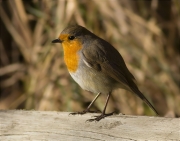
{"x":103,"y":115}
{"x":87,"y":110}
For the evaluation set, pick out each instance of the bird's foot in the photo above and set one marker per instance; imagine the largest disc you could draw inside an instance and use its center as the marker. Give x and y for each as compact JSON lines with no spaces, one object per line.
{"x":84,"y":112}
{"x":98,"y":118}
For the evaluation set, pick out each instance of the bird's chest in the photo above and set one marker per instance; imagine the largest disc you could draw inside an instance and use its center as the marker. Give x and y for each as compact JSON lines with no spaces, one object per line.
{"x":71,"y":56}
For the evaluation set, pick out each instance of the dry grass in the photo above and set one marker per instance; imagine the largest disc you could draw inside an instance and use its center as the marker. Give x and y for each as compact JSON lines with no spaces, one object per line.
{"x":33,"y":74}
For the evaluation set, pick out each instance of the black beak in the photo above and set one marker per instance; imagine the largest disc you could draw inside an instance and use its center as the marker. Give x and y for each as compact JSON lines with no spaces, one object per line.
{"x":57,"y":41}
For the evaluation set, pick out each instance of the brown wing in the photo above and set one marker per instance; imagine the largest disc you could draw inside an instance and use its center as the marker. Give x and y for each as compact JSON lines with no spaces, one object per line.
{"x":107,"y":59}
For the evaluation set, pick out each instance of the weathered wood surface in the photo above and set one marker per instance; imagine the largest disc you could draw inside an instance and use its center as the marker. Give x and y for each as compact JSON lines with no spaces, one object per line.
{"x":60,"y":126}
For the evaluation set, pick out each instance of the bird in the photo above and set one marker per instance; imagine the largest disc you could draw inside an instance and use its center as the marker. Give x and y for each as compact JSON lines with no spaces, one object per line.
{"x":96,"y":66}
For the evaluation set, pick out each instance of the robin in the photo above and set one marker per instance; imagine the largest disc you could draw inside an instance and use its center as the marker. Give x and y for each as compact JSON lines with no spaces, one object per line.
{"x":96,"y":66}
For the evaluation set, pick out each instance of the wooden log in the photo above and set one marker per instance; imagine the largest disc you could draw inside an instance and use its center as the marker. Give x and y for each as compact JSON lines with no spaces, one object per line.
{"x":23,"y":125}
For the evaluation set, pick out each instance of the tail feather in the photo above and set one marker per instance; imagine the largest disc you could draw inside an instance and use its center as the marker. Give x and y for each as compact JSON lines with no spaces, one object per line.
{"x":138,"y":93}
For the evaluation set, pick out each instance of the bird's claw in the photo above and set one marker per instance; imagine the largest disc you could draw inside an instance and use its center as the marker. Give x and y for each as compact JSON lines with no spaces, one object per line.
{"x":98,"y":118}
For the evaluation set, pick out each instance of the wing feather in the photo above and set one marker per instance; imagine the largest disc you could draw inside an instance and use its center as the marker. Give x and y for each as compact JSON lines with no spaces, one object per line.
{"x":105,"y":58}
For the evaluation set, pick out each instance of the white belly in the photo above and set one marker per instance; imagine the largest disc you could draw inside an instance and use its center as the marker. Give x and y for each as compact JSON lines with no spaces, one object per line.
{"x":93,"y":81}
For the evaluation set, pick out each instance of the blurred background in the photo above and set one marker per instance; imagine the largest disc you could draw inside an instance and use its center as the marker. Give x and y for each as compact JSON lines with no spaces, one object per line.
{"x":32,"y":70}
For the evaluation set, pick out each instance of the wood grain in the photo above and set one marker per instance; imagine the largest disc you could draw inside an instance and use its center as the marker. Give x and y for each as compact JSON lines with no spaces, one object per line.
{"x":23,"y":125}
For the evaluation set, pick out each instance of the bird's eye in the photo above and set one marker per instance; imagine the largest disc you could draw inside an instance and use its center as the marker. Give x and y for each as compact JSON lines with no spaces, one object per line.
{"x":71,"y":37}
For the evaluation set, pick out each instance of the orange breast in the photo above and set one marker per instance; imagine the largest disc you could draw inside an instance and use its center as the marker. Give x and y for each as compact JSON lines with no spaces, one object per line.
{"x":71,"y":56}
